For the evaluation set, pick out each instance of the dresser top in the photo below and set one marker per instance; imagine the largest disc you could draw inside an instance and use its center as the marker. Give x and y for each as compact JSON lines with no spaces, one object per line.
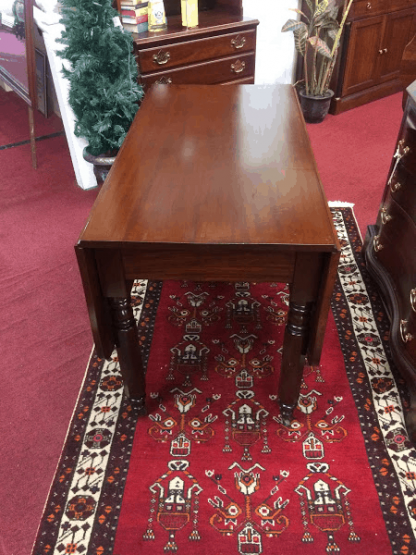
{"x":214,"y":165}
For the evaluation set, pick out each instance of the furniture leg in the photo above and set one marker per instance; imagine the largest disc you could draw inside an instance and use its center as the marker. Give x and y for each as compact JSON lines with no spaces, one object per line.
{"x":32,"y":137}
{"x":293,"y":360}
{"x":128,"y":350}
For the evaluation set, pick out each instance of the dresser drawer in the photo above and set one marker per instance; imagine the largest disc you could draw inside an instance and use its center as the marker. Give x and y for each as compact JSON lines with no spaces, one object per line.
{"x":402,"y":188}
{"x":366,"y":8}
{"x":208,"y":73}
{"x":394,"y":5}
{"x":407,"y":330}
{"x":395,"y":249}
{"x":407,"y":145}
{"x":189,"y":52}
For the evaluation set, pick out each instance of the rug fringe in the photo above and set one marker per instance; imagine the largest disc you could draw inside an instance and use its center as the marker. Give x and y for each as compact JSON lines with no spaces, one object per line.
{"x":335,"y":203}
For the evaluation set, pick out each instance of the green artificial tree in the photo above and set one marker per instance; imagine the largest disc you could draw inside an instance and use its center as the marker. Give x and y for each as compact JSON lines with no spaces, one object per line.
{"x":104,"y":93}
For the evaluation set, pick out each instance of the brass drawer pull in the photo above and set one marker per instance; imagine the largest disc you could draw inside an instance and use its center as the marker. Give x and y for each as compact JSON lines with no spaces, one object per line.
{"x":161,"y":58}
{"x":376,"y":243}
{"x":395,"y":187}
{"x":413,"y":299}
{"x":238,"y":42}
{"x":369,"y":6}
{"x":380,"y":52}
{"x":401,"y":151}
{"x":384,"y":216}
{"x":238,"y":67}
{"x":164,"y":81}
{"x":406,"y":336}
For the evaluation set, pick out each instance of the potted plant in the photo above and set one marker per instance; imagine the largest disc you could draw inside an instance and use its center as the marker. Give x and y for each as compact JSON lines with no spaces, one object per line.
{"x":317,"y":37}
{"x":104,"y":92}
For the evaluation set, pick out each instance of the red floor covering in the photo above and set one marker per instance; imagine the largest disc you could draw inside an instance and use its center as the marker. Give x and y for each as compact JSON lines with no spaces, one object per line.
{"x":14,"y":120}
{"x":44,"y":330}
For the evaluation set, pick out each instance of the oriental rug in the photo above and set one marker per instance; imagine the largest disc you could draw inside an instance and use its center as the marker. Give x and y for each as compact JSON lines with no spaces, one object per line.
{"x":212,"y":469}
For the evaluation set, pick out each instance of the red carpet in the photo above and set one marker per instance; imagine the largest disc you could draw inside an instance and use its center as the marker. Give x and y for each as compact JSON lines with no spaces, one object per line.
{"x":212,"y":469}
{"x":44,"y":327}
{"x":15,"y":120}
{"x":353,"y":152}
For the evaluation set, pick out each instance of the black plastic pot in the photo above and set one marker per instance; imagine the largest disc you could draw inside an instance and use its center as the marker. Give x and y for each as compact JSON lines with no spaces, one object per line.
{"x":315,"y":108}
{"x":102,"y":165}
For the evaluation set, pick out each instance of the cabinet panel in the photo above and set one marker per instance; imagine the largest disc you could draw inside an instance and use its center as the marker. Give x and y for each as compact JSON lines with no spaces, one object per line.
{"x":398,"y":31}
{"x":363,"y":56}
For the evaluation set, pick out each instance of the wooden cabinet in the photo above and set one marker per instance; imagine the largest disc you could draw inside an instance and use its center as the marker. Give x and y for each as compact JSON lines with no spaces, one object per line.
{"x":390,"y":249}
{"x":369,"y":58}
{"x":221,"y":50}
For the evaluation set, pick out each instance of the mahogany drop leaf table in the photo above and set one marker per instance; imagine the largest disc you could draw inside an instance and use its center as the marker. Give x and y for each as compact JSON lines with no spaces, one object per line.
{"x":212,"y":184}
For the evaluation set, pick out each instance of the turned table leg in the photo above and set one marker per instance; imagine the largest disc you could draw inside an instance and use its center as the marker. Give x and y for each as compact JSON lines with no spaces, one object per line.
{"x":128,"y":350}
{"x":293,"y":360}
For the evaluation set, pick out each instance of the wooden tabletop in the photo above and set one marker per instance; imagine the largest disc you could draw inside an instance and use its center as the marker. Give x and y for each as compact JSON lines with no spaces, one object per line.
{"x":214,"y":165}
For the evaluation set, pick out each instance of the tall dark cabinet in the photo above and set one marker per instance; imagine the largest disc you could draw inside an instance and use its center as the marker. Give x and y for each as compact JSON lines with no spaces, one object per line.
{"x":370,"y":53}
{"x":391,"y":253}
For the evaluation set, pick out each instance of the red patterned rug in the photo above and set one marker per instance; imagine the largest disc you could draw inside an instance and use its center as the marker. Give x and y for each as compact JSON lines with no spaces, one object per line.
{"x":212,"y":469}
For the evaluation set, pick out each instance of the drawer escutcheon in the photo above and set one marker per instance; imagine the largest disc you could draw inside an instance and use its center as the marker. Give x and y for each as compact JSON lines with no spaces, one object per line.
{"x":161,"y":58}
{"x":385,"y":217}
{"x":238,"y":67}
{"x":406,"y":336}
{"x":401,"y":151}
{"x":376,"y":244}
{"x":395,"y":186}
{"x":164,"y":81}
{"x":238,"y":42}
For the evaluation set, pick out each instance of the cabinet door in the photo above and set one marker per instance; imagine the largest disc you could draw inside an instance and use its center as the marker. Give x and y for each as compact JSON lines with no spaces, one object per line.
{"x":398,"y":31}
{"x":363,"y":55}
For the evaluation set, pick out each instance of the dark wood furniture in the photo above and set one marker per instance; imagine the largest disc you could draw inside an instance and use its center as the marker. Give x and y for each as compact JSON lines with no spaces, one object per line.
{"x":374,"y":39}
{"x":212,"y":184}
{"x":23,"y":82}
{"x":408,"y":68}
{"x":221,"y":50}
{"x":370,"y":55}
{"x":391,"y":253}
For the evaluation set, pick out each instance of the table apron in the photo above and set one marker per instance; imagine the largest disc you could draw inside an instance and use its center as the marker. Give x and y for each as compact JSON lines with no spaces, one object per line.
{"x":210,"y":264}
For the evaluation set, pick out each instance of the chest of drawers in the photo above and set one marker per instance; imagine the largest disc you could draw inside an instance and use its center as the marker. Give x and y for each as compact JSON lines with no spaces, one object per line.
{"x":221,"y":50}
{"x":391,"y":253}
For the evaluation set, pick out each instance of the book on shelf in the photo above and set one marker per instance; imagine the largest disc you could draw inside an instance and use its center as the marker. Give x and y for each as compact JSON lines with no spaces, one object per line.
{"x":136,"y":28}
{"x":134,"y":5}
{"x":134,"y":12}
{"x":135,"y":20}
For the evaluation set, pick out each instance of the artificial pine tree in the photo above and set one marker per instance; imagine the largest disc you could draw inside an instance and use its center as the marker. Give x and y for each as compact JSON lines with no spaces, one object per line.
{"x":104,"y":93}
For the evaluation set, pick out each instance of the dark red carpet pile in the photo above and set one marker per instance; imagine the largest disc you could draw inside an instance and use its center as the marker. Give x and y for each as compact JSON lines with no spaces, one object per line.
{"x":47,"y":342}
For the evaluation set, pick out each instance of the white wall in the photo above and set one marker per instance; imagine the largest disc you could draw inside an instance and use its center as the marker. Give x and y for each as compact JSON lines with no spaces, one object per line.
{"x":275,"y":50}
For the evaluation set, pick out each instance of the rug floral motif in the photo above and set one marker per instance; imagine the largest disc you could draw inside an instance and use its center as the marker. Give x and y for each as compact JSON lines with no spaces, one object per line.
{"x":212,"y":468}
